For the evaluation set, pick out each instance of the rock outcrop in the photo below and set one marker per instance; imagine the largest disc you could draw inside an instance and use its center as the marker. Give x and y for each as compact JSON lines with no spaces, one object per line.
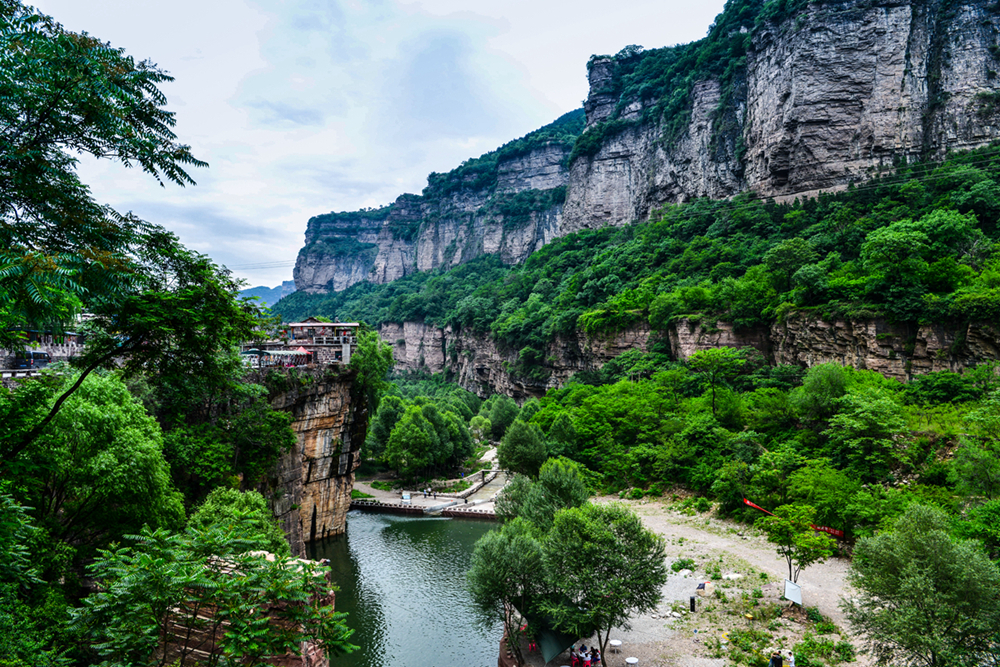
{"x":482,"y":366}
{"x":895,"y":351}
{"x":311,"y":490}
{"x":824,"y":96}
{"x":479,"y":364}
{"x":507,"y":203}
{"x":828,"y":97}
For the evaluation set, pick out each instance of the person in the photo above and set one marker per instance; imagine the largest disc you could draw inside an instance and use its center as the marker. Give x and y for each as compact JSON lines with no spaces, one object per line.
{"x":595,"y":656}
{"x":574,"y":657}
{"x":586,"y":657}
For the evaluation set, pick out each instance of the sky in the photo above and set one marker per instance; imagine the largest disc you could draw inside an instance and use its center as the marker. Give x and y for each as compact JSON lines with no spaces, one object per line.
{"x":302,"y":107}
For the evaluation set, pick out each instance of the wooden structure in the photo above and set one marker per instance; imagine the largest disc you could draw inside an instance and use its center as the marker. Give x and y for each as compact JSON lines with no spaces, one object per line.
{"x":193,"y":635}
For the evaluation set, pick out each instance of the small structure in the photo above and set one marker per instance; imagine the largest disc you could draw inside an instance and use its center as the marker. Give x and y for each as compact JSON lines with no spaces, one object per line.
{"x":304,"y":343}
{"x":330,"y":342}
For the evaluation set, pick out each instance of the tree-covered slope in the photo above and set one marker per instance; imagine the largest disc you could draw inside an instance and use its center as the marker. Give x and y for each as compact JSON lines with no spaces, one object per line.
{"x":916,"y":245}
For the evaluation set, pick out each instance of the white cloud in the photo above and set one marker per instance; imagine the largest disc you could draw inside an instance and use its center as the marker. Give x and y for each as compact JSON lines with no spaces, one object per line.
{"x":306,"y":106}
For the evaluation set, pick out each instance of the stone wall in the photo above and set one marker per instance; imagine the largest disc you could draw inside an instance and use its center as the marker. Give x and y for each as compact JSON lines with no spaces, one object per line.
{"x":483,"y":366}
{"x":311,"y":487}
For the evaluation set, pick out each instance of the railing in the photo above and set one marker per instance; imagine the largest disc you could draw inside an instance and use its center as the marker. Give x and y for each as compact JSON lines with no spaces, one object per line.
{"x":335,"y":340}
{"x":19,"y":373}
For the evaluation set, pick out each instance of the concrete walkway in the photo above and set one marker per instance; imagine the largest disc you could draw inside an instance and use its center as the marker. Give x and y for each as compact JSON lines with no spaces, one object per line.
{"x":481,"y":499}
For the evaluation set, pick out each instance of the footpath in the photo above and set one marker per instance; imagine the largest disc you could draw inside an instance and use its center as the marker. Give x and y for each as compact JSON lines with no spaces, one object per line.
{"x":475,"y":502}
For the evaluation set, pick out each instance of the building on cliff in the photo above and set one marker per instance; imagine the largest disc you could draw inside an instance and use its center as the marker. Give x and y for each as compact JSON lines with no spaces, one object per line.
{"x":304,"y":343}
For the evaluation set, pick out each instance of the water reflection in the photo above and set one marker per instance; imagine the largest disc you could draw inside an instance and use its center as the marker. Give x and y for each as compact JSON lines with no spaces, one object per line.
{"x":402,"y":580}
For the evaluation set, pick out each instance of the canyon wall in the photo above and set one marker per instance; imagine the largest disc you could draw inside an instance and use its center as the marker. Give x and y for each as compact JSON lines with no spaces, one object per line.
{"x":511,"y":216}
{"x":310,"y":489}
{"x":829,"y":97}
{"x":482,"y":366}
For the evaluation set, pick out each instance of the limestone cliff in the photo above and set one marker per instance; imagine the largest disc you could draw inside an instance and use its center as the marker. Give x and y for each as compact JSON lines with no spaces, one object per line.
{"x":508,"y":202}
{"x":780,"y":99}
{"x":828,"y":95}
{"x":310,"y":491}
{"x":480,"y":365}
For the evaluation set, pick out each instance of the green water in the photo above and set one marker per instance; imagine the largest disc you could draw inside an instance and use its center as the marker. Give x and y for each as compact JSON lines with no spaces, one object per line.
{"x":402,"y":582}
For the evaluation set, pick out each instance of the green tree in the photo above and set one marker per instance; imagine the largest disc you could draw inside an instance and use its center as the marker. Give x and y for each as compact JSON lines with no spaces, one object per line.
{"x":983,"y":523}
{"x":157,"y":304}
{"x":861,"y":436}
{"x":522,"y":449}
{"x":505,"y":576}
{"x":412,"y":443}
{"x":923,"y":597}
{"x":390,"y":409}
{"x":787,"y":257}
{"x":559,"y":485}
{"x":608,"y":566}
{"x":245,"y":515}
{"x":503,"y":412}
{"x":68,"y":94}
{"x":98,"y":471}
{"x":153,"y":589}
{"x":822,"y":387}
{"x":371,"y":360}
{"x":790,"y":529}
{"x":716,"y":365}
{"x":977,"y":461}
{"x":480,"y":428}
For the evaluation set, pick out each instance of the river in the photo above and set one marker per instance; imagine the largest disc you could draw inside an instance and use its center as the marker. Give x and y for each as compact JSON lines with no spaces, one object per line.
{"x":402,"y":582}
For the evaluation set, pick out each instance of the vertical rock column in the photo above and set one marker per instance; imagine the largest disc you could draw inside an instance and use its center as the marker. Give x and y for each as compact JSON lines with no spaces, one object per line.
{"x":312,"y":484}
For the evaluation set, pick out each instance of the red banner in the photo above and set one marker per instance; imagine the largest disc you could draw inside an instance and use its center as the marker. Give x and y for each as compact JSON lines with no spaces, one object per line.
{"x":832,"y":531}
{"x":756,"y":507}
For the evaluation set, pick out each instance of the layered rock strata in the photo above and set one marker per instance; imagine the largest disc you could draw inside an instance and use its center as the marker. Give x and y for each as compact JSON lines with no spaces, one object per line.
{"x":482,"y":366}
{"x":313,"y":481}
{"x":511,"y":218}
{"x":829,"y":96}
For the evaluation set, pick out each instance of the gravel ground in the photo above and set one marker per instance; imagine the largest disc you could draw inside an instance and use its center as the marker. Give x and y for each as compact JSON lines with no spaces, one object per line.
{"x":666,"y":637}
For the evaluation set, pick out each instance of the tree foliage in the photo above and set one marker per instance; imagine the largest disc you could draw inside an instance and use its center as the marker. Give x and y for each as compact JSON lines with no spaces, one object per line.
{"x":607,"y":564}
{"x":506,"y":577}
{"x":206,"y":580}
{"x":522,"y":449}
{"x":924,"y":598}
{"x":791,"y":531}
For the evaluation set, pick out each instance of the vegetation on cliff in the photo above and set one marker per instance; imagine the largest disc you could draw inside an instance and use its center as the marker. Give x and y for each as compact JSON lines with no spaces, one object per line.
{"x":915,"y":245}
{"x":331,"y":234}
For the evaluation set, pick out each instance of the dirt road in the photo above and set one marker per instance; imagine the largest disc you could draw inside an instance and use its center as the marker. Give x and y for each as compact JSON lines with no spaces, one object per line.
{"x":748,"y":581}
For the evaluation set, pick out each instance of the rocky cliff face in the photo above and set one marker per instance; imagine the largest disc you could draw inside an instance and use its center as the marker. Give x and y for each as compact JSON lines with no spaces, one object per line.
{"x":483,"y":367}
{"x":513,"y":218}
{"x":314,"y":479}
{"x":828,"y":97}
{"x":825,"y":96}
{"x":508,"y":203}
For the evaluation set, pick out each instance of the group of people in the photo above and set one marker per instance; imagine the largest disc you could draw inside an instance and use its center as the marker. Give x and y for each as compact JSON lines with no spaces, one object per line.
{"x":584,"y":657}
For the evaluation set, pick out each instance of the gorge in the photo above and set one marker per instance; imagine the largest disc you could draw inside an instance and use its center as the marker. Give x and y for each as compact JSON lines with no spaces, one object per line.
{"x":781,"y":106}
